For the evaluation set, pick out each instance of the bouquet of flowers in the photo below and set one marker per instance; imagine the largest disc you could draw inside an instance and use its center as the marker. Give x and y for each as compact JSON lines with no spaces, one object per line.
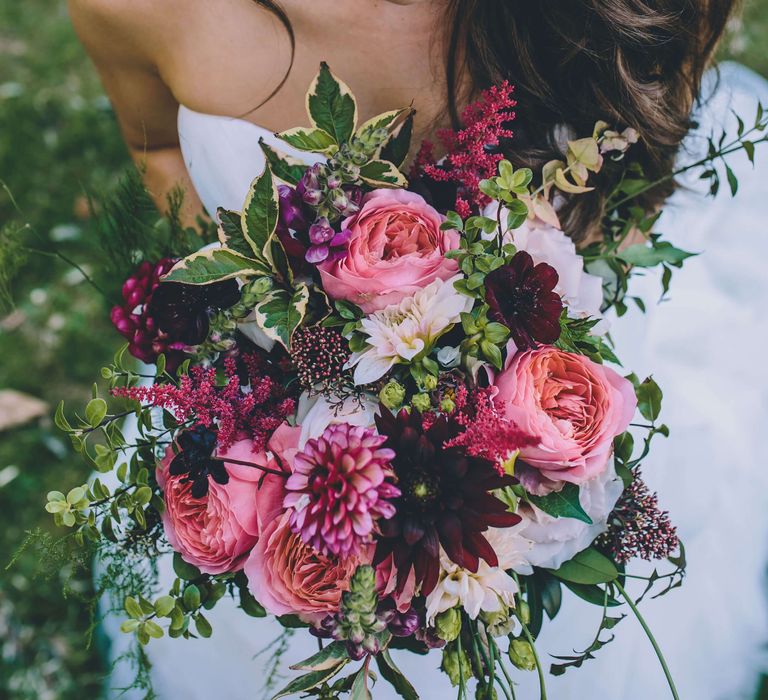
{"x":383,"y":409}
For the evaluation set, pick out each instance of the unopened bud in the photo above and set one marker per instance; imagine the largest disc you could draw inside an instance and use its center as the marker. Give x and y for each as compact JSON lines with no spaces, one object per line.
{"x":521,"y":655}
{"x":448,"y":624}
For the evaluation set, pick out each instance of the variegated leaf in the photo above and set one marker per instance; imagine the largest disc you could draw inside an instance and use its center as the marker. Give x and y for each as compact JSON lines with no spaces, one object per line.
{"x":382,"y":173}
{"x":312,"y":140}
{"x":260,"y":213}
{"x":331,"y":106}
{"x":281,"y":312}
{"x":214,"y":265}
{"x":231,"y":232}
{"x":284,"y":167}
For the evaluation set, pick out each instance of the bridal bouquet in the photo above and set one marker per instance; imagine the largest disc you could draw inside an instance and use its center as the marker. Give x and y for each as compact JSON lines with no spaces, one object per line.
{"x":385,"y":409}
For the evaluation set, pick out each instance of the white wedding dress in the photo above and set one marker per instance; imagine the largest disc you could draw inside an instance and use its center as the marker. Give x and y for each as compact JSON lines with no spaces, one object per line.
{"x":706,"y":348}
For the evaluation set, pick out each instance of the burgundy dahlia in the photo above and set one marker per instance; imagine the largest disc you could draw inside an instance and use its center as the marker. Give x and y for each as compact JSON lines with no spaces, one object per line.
{"x":183,"y":310}
{"x":521,"y":296}
{"x":446,"y":500}
{"x":134,"y":320}
{"x":341,"y":485}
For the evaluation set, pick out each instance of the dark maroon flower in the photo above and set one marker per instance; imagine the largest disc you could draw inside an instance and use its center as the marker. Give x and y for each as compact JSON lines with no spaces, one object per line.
{"x":195,"y":460}
{"x":135,"y":322}
{"x":521,"y":296}
{"x":445,"y":500}
{"x":183,"y":310}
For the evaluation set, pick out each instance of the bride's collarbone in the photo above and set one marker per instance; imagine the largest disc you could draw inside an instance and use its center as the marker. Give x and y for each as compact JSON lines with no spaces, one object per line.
{"x":228,"y":58}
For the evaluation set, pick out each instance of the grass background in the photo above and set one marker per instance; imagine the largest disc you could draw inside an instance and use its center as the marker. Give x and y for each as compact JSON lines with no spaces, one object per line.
{"x":59,"y":140}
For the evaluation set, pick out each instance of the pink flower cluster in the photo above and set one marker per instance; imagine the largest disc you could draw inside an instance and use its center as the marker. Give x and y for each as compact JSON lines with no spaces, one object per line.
{"x":473,"y":152}
{"x":134,"y":322}
{"x":254,"y":414}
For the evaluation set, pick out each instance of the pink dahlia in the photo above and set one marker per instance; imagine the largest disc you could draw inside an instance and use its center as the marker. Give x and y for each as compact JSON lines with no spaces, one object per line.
{"x":341,"y":484}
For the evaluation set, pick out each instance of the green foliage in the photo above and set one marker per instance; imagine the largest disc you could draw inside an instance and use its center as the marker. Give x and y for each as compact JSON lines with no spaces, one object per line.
{"x":562,"y":504}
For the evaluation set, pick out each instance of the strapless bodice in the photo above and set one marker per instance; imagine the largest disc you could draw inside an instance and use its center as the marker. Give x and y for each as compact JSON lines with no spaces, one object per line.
{"x":223,"y":156}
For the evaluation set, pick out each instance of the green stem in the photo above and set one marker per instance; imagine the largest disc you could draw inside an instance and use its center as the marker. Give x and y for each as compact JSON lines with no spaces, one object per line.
{"x":462,"y":682}
{"x":504,"y":671}
{"x":539,"y":669}
{"x":651,"y":638}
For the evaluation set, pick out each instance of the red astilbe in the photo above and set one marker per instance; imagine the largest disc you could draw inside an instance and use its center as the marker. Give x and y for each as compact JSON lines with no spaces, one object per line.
{"x":252,"y":409}
{"x":637,"y":527}
{"x":487,"y":433}
{"x":473,"y":152}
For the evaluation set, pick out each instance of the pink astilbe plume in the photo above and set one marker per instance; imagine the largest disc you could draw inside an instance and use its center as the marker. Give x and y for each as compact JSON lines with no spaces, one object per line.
{"x":253,"y":410}
{"x":342,"y":483}
{"x":487,"y":433}
{"x":473,"y":152}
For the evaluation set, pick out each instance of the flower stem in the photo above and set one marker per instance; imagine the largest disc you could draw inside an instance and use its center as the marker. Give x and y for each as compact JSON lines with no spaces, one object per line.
{"x":539,"y":669}
{"x":267,"y":470}
{"x":651,"y":638}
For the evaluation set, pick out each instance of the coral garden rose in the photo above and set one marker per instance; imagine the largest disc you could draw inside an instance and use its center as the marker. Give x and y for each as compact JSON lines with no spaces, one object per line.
{"x":287,"y":576}
{"x":576,"y":408}
{"x":216,"y":532}
{"x":396,"y":247}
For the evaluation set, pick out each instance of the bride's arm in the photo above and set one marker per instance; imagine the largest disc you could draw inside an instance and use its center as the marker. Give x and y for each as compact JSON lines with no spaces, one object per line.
{"x":125,"y":50}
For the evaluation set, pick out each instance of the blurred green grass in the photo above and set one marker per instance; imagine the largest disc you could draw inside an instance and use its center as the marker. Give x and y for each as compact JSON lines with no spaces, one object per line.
{"x":59,"y":140}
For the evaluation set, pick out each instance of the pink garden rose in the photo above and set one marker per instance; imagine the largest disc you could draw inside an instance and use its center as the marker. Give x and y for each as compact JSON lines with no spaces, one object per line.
{"x":216,"y":532}
{"x":396,"y":247}
{"x":576,"y":408}
{"x":287,"y":576}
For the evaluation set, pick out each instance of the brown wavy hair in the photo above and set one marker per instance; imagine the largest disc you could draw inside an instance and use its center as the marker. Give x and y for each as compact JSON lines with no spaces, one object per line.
{"x":635,"y":63}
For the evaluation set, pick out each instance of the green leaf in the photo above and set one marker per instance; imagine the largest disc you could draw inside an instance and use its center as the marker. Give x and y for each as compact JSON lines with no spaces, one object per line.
{"x":202,"y":626}
{"x":95,"y":412}
{"x":281,"y":312}
{"x":191,"y":597}
{"x":285,"y":167}
{"x":60,"y":419}
{"x":562,"y":504}
{"x":214,"y":265}
{"x":382,"y":173}
{"x":649,"y":398}
{"x":308,"y":681}
{"x":591,"y":593}
{"x":395,"y":677}
{"x":588,"y":567}
{"x":164,"y":605}
{"x":133,"y":608}
{"x":310,"y":140}
{"x":641,"y":255}
{"x":331,"y":106}
{"x":396,"y":150}
{"x":327,"y":658}
{"x":359,"y":689}
{"x":183,"y":570}
{"x":260,"y":213}
{"x":153,"y":629}
{"x":250,"y":605}
{"x":551,"y":594}
{"x":231,"y":232}
{"x":733,"y":181}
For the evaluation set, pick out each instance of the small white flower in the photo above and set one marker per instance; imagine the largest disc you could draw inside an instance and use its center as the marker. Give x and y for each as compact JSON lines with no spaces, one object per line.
{"x":491,"y":589}
{"x":403,"y":331}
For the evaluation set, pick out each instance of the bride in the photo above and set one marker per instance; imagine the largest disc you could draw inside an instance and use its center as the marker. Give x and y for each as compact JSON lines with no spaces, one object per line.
{"x":195,"y":86}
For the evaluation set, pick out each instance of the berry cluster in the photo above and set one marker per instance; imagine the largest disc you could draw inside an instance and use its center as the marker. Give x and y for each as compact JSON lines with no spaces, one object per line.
{"x":319,"y":355}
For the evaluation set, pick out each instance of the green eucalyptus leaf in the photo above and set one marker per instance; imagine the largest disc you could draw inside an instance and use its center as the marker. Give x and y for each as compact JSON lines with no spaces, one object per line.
{"x":202,"y":626}
{"x":562,"y":504}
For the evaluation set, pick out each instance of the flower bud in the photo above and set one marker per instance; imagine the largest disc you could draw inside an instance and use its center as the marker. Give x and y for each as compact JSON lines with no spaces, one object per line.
{"x":430,"y":382}
{"x":421,"y":402}
{"x":456,"y":665}
{"x":485,"y":692}
{"x":521,"y":655}
{"x":392,"y":395}
{"x":448,"y":624}
{"x":447,"y":405}
{"x":523,"y":612}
